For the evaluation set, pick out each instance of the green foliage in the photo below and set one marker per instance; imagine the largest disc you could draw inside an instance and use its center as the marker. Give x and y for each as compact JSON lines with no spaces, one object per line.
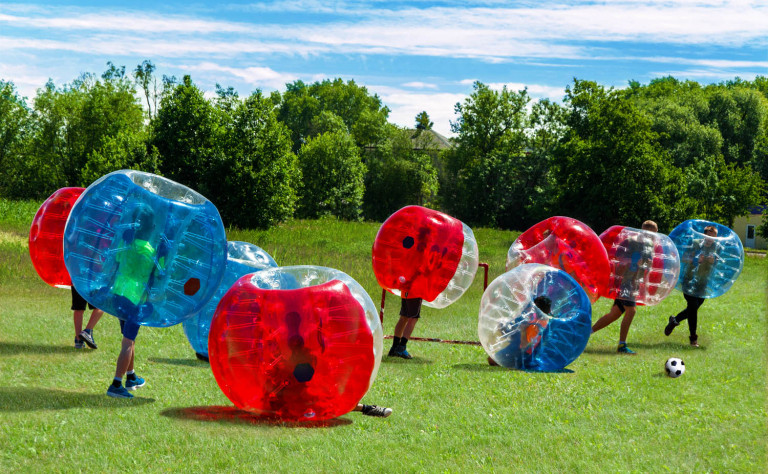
{"x":259,"y":174}
{"x":398,"y":175}
{"x":123,"y":151}
{"x":332,"y":177}
{"x":15,"y":127}
{"x":423,"y":122}
{"x":610,"y":168}
{"x":363,"y":114}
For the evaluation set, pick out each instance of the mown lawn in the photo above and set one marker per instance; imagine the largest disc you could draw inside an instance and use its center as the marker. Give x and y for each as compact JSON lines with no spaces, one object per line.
{"x":452,"y":412}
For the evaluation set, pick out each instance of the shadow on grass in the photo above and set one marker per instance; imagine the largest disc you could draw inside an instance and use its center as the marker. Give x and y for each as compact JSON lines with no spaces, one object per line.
{"x":485,"y":367}
{"x":234,"y":415}
{"x":15,"y":348}
{"x":184,"y":362}
{"x":16,"y":399}
{"x":398,"y":360}
{"x":666,"y":345}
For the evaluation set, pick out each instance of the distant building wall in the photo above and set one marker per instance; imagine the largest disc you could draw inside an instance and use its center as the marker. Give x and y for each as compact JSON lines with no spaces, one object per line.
{"x":754,"y":218}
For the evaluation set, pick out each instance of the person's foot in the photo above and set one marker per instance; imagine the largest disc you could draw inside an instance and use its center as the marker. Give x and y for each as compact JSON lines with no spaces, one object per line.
{"x":118,"y":392}
{"x":392,"y":351}
{"x":671,"y":325}
{"x":133,"y":384}
{"x":400,"y":351}
{"x":623,"y":349}
{"x":79,"y":343}
{"x":373,"y":410}
{"x":201,"y":356}
{"x":694,"y":341}
{"x":87,"y":336}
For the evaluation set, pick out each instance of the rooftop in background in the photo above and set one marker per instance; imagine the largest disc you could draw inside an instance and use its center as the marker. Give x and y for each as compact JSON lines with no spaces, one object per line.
{"x":429,"y":140}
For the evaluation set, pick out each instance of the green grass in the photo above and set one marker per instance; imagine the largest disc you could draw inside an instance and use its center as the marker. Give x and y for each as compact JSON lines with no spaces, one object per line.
{"x":452,"y":412}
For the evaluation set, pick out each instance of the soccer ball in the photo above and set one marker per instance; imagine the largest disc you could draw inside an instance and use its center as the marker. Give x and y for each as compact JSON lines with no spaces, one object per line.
{"x":675,"y":367}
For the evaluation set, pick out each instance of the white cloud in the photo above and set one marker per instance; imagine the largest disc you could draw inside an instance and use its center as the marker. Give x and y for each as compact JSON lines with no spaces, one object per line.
{"x":261,"y":77}
{"x":420,"y":85}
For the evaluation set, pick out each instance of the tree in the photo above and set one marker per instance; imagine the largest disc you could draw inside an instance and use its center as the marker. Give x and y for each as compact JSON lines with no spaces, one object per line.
{"x":145,"y":78}
{"x":610,"y":168}
{"x":332,"y":177}
{"x":15,"y":127}
{"x":188,"y":133}
{"x":423,"y":122}
{"x":259,"y":175}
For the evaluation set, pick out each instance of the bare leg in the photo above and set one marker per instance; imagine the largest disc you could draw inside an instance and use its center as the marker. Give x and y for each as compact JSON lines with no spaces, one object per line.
{"x":409,"y":325}
{"x":125,"y":359}
{"x":96,"y":314}
{"x":608,"y":318}
{"x":626,"y":322}
{"x":77,"y":317}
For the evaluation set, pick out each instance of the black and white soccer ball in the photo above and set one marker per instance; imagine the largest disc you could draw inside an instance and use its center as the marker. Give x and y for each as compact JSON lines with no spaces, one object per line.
{"x":674,"y":367}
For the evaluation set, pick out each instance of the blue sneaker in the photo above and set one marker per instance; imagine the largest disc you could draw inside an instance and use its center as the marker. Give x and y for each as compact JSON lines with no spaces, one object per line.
{"x":623,"y":349}
{"x":87,"y":336}
{"x":79,"y":343}
{"x":118,"y":392}
{"x":400,"y":351}
{"x":135,"y":383}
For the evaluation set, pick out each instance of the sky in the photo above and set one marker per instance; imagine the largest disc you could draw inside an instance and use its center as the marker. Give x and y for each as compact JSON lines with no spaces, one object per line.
{"x":415,"y":55}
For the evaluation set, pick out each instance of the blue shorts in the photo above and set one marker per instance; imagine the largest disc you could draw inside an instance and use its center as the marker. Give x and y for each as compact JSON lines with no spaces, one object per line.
{"x":130,"y":330}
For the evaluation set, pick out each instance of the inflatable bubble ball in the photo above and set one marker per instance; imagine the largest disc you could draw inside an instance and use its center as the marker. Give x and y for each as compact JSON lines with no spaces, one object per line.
{"x":296,"y":343}
{"x":711,"y":258}
{"x":421,"y":253}
{"x":46,"y":237}
{"x":144,"y":248}
{"x":567,"y":244}
{"x":534,"y":317}
{"x":644,"y":265}
{"x":242,"y":258}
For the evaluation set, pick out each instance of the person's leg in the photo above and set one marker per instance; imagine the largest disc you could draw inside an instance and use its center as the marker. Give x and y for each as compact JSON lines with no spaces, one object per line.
{"x":626,"y":322}
{"x":410,"y":311}
{"x":77,"y":317}
{"x":86,"y":334}
{"x":693,"y":318}
{"x":616,"y":310}
{"x":124,"y":361}
{"x":96,"y":315}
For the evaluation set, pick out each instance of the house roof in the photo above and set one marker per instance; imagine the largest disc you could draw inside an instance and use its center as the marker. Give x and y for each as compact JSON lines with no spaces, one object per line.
{"x":437,"y":142}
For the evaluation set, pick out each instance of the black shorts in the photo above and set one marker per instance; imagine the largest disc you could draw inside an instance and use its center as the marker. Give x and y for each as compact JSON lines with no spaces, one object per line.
{"x":78,"y":302}
{"x":622,"y":304}
{"x":410,"y":308}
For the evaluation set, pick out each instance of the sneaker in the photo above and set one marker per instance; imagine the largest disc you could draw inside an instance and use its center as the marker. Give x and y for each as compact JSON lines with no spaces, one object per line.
{"x":671,"y":326}
{"x":373,"y":410}
{"x":135,"y":383}
{"x":694,"y":341}
{"x":118,"y":392}
{"x":87,"y":336}
{"x":623,"y":349}
{"x":400,"y":351}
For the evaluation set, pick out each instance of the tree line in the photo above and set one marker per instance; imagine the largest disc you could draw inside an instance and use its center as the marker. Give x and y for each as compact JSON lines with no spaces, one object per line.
{"x":668,"y":150}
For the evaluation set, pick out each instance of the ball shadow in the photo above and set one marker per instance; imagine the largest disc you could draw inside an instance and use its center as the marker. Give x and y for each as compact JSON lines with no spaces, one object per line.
{"x":15,"y":348}
{"x":234,"y":415}
{"x":183,"y":362}
{"x":399,"y":360}
{"x":19,"y":399}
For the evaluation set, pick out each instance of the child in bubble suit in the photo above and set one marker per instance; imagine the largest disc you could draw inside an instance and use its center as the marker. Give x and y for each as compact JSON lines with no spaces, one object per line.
{"x":526,"y":337}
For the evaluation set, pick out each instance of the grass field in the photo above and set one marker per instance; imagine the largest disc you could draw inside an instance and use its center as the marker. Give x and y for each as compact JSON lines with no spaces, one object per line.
{"x":452,"y":412}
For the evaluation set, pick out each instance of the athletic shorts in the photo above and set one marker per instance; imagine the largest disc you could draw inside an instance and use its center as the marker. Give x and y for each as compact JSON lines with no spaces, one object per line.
{"x":78,"y":302}
{"x":622,"y":304}
{"x":130,"y":330}
{"x":410,"y":308}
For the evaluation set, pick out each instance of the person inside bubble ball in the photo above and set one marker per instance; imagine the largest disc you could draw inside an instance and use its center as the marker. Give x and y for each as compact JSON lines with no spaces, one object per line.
{"x":701,"y":260}
{"x":527,"y":335}
{"x":134,"y":271}
{"x":410,"y":312}
{"x":635,"y":257}
{"x":84,"y":336}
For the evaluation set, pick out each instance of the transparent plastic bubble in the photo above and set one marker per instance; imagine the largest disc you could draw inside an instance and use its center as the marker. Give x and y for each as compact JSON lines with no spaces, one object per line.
{"x":709,"y":265}
{"x":644,"y":265}
{"x":46,"y":237}
{"x":422,"y":253}
{"x":296,"y":343}
{"x":534,"y":317}
{"x":567,"y":244}
{"x":242,"y":258}
{"x":152,"y":259}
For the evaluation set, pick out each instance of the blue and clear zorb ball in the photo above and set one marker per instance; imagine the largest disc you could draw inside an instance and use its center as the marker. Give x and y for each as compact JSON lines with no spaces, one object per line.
{"x":144,"y":248}
{"x":710,"y":261}
{"x":534,"y":317}
{"x":242,"y":258}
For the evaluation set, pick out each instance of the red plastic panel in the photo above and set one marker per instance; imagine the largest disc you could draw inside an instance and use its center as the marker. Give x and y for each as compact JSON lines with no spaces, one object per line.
{"x":292,"y":355}
{"x":567,"y":244}
{"x":46,"y":237}
{"x":417,"y":251}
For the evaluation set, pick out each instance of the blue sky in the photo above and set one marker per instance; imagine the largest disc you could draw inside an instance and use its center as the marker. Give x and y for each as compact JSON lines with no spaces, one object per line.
{"x":416,"y":55}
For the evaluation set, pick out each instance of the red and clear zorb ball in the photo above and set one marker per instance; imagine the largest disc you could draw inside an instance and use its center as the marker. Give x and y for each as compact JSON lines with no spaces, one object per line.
{"x":46,"y":237}
{"x":644,"y":265}
{"x":567,"y":244}
{"x":296,"y":343}
{"x":421,"y":253}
